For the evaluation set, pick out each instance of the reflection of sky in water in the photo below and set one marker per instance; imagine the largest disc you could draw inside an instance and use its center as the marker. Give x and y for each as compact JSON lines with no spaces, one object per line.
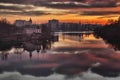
{"x":83,"y":76}
{"x":88,"y":59}
{"x":73,"y":46}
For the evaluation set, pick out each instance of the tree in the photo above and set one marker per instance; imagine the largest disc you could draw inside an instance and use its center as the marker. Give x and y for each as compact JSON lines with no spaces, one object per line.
{"x":5,"y":27}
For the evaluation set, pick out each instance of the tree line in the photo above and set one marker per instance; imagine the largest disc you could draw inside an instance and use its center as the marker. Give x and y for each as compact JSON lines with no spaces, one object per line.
{"x":110,"y":33}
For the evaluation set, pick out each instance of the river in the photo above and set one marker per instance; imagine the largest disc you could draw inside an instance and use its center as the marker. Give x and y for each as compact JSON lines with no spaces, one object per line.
{"x":71,"y":58}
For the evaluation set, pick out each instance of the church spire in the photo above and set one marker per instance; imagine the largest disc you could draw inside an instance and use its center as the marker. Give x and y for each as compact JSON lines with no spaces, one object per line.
{"x":30,"y":20}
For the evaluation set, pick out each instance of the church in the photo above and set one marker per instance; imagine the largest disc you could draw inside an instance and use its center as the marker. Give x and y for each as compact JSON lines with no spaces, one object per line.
{"x":21,"y":23}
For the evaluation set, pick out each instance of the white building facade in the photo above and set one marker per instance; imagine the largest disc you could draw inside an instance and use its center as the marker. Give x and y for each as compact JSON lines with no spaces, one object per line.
{"x":33,"y":29}
{"x":21,"y":23}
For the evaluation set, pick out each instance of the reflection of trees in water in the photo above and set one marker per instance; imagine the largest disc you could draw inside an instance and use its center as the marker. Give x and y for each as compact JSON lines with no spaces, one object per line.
{"x":30,"y":46}
{"x":110,"y":34}
{"x":78,"y":36}
{"x":4,"y":56}
{"x":36,"y":45}
{"x":114,"y":42}
{"x":4,"y":47}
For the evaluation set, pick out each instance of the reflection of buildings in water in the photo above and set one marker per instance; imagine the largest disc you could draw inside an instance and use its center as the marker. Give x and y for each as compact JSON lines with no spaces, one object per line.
{"x":39,"y":43}
{"x":38,"y":48}
{"x":41,"y":47}
{"x":19,"y":50}
{"x":46,"y":44}
{"x":29,"y":47}
{"x":75,"y":36}
{"x":4,"y":56}
{"x":36,"y":45}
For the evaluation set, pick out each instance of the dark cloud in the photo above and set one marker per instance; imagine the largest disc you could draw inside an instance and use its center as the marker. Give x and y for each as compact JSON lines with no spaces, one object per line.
{"x":99,"y":13}
{"x":71,"y":4}
{"x":10,"y":7}
{"x":103,"y":3}
{"x":57,"y":4}
{"x":20,"y":9}
{"x":25,"y":13}
{"x":35,"y":13}
{"x":63,"y":5}
{"x":94,"y":4}
{"x":31,"y":1}
{"x":12,"y":1}
{"x":17,"y":8}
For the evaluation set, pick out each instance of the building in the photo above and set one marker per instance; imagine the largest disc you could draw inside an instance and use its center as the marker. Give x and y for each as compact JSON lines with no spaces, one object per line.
{"x":53,"y":24}
{"x":78,"y":27}
{"x":70,"y":27}
{"x":21,"y":23}
{"x":33,"y":29}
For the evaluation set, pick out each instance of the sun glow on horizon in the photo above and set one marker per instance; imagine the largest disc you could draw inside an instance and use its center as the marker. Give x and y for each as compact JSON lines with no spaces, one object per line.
{"x":70,"y":18}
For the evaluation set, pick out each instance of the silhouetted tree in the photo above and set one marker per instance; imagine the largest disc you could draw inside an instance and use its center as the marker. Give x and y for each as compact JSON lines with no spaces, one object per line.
{"x":5,"y":27}
{"x":110,"y":33}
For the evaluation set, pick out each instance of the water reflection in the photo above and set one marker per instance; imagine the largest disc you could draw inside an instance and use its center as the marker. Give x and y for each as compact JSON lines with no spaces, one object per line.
{"x":75,"y":36}
{"x":35,"y":57}
{"x":114,"y":43}
{"x":20,"y":47}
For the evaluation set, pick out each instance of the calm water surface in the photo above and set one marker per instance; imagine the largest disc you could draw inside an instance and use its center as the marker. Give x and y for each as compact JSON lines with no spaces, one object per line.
{"x":71,"y":58}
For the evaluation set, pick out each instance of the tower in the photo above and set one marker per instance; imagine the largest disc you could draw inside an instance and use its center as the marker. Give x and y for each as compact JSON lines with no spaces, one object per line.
{"x":30,"y":20}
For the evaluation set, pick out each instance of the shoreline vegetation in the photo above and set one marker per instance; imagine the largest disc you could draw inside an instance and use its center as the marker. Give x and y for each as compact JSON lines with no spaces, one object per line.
{"x":10,"y":36}
{"x":110,"y":33}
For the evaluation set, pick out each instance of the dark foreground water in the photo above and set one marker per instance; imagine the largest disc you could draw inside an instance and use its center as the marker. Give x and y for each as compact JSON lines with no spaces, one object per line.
{"x":71,"y":58}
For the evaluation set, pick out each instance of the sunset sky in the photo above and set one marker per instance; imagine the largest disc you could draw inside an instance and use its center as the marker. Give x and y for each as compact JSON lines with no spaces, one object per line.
{"x":95,"y":11}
